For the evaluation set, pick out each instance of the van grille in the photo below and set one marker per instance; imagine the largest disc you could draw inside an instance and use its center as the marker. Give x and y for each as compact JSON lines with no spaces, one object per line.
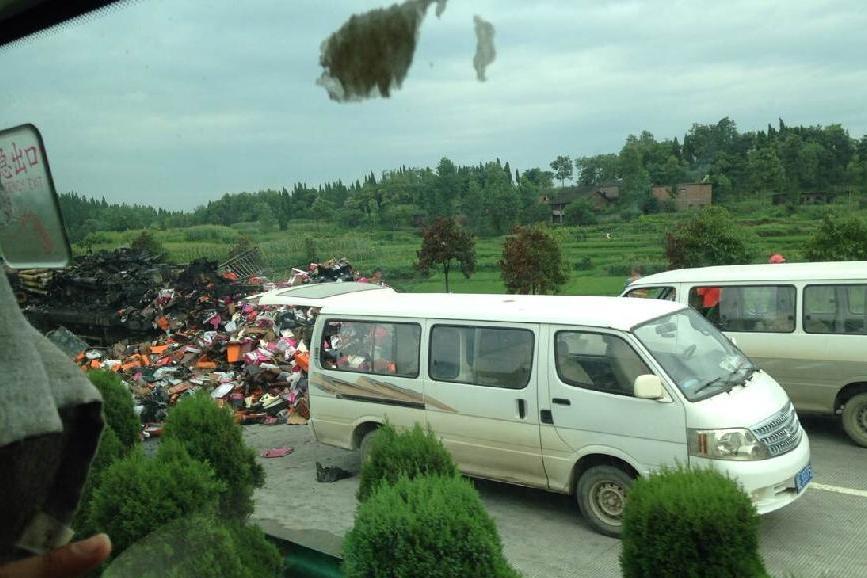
{"x":781,"y":432}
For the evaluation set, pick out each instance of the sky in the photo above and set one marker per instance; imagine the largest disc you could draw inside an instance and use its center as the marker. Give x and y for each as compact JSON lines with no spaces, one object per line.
{"x":165,"y":103}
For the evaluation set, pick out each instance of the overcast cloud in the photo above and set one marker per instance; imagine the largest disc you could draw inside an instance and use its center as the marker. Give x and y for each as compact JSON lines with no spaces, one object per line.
{"x":175,"y":102}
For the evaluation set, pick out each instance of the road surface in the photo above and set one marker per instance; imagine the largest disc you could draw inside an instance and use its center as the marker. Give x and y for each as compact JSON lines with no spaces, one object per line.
{"x":824,"y":534}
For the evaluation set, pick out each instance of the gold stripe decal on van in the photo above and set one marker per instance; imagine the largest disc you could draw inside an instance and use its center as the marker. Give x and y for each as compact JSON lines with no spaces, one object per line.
{"x":365,"y":388}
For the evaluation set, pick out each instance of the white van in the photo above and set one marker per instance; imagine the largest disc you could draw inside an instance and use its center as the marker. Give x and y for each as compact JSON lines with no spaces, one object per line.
{"x":804,"y":323}
{"x":577,"y":395}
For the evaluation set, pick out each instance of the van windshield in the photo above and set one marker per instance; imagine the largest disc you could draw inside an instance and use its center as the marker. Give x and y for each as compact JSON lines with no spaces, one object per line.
{"x":697,"y":357}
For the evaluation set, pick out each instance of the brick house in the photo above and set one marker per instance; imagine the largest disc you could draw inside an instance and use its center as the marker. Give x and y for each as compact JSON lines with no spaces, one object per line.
{"x":600,"y":196}
{"x":689,"y":195}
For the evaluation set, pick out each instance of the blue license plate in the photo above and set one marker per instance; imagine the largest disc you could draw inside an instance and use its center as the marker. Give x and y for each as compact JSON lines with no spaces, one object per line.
{"x":803,"y":478}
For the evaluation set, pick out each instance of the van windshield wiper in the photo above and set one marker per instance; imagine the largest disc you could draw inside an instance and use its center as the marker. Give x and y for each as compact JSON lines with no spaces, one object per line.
{"x":713,"y":381}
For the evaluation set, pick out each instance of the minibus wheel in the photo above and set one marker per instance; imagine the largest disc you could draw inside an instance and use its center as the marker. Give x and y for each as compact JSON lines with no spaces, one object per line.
{"x":855,"y":418}
{"x":601,"y":495}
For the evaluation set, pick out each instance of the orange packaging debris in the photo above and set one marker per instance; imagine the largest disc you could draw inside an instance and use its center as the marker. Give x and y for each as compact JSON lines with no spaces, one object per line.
{"x":302,"y":358}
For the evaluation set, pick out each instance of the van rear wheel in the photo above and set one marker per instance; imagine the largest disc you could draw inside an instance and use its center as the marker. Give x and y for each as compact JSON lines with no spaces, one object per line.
{"x":366,"y":444}
{"x":855,"y":418}
{"x":601,"y":495}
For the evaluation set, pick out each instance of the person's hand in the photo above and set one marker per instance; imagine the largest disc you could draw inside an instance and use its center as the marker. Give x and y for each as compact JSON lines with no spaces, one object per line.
{"x":70,"y":561}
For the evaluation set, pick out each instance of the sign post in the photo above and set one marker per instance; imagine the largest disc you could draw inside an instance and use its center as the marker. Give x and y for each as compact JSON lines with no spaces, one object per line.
{"x":32,"y":234}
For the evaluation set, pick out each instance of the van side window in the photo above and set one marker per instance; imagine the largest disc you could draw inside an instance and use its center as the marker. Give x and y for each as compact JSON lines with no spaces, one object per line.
{"x":747,"y":309}
{"x":488,"y":356}
{"x":664,"y":293}
{"x":835,"y":309}
{"x":371,"y":347}
{"x":597,"y":361}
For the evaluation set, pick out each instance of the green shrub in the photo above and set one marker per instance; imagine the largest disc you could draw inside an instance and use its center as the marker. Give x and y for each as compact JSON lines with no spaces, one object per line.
{"x":838,"y":238}
{"x":117,"y":406}
{"x":709,"y":237}
{"x":137,"y":494}
{"x":585,"y":263}
{"x":109,"y":451}
{"x":431,"y":526}
{"x":199,"y":546}
{"x":259,"y":556}
{"x":210,"y":434}
{"x":147,"y":242}
{"x":412,"y":453}
{"x":685,"y":522}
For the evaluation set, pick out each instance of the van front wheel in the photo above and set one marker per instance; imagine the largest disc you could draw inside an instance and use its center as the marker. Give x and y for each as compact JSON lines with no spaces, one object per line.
{"x":855,"y":418}
{"x":601,"y":495}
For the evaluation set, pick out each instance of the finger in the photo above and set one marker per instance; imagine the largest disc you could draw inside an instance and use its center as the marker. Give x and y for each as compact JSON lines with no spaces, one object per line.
{"x":70,"y":561}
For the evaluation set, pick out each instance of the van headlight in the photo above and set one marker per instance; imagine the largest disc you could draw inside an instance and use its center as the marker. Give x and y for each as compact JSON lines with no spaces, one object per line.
{"x":726,"y":444}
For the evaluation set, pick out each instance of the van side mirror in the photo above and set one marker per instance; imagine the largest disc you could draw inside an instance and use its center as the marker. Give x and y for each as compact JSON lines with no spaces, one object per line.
{"x":648,"y":387}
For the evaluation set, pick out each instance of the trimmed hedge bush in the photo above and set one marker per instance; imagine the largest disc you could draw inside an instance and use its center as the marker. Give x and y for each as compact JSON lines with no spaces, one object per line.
{"x":684,"y":522}
{"x":210,"y":434}
{"x":200,"y":546}
{"x":412,"y":453}
{"x":117,"y":406}
{"x":430,"y":526}
{"x":137,"y":494}
{"x":109,"y":451}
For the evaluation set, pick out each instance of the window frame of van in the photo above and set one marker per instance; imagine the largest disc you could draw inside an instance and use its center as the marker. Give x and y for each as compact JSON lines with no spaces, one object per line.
{"x":372,"y":322}
{"x":622,"y":337}
{"x":750,"y":284}
{"x":671,"y":288}
{"x":848,"y":312}
{"x":475,"y":325}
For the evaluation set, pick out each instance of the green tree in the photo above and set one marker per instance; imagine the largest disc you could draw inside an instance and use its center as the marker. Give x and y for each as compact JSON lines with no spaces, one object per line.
{"x":766,"y":171}
{"x":474,"y":208}
{"x":580,"y":212}
{"x":838,"y":238}
{"x":323,"y":209}
{"x":532,"y":262}
{"x":503,"y":203}
{"x":446,"y":243}
{"x":562,"y":167}
{"x":597,"y":169}
{"x":710,"y":237}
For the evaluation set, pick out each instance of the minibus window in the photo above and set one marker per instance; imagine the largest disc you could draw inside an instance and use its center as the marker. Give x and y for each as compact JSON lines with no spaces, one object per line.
{"x":371,"y":347}
{"x":747,"y":309}
{"x":835,"y":309}
{"x":597,"y":361}
{"x":488,"y":356}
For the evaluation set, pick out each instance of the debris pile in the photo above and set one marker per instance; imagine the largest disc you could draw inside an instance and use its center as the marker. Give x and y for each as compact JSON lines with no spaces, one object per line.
{"x":250,"y":358}
{"x":201,"y":330}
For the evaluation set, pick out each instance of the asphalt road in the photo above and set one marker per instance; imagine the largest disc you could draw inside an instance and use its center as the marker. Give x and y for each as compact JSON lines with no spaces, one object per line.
{"x":823,"y":534}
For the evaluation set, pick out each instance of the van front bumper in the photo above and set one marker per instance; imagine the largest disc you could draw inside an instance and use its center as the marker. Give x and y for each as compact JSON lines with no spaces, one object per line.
{"x":769,"y":483}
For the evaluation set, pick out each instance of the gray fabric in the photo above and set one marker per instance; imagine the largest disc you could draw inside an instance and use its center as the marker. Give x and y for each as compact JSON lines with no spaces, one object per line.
{"x":50,"y":422}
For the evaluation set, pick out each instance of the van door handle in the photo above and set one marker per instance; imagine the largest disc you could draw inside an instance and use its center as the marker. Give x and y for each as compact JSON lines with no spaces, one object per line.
{"x":561,"y":401}
{"x":522,"y":409}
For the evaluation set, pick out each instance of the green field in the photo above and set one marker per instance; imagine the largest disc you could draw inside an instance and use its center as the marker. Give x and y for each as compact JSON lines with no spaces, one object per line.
{"x":639,"y":241}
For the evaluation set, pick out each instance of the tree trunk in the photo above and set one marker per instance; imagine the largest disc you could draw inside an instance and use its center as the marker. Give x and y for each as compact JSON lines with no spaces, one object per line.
{"x":446,"y":273}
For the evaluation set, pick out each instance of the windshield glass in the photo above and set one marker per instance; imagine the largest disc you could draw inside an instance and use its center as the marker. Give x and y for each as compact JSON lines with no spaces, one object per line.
{"x":697,"y":357}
